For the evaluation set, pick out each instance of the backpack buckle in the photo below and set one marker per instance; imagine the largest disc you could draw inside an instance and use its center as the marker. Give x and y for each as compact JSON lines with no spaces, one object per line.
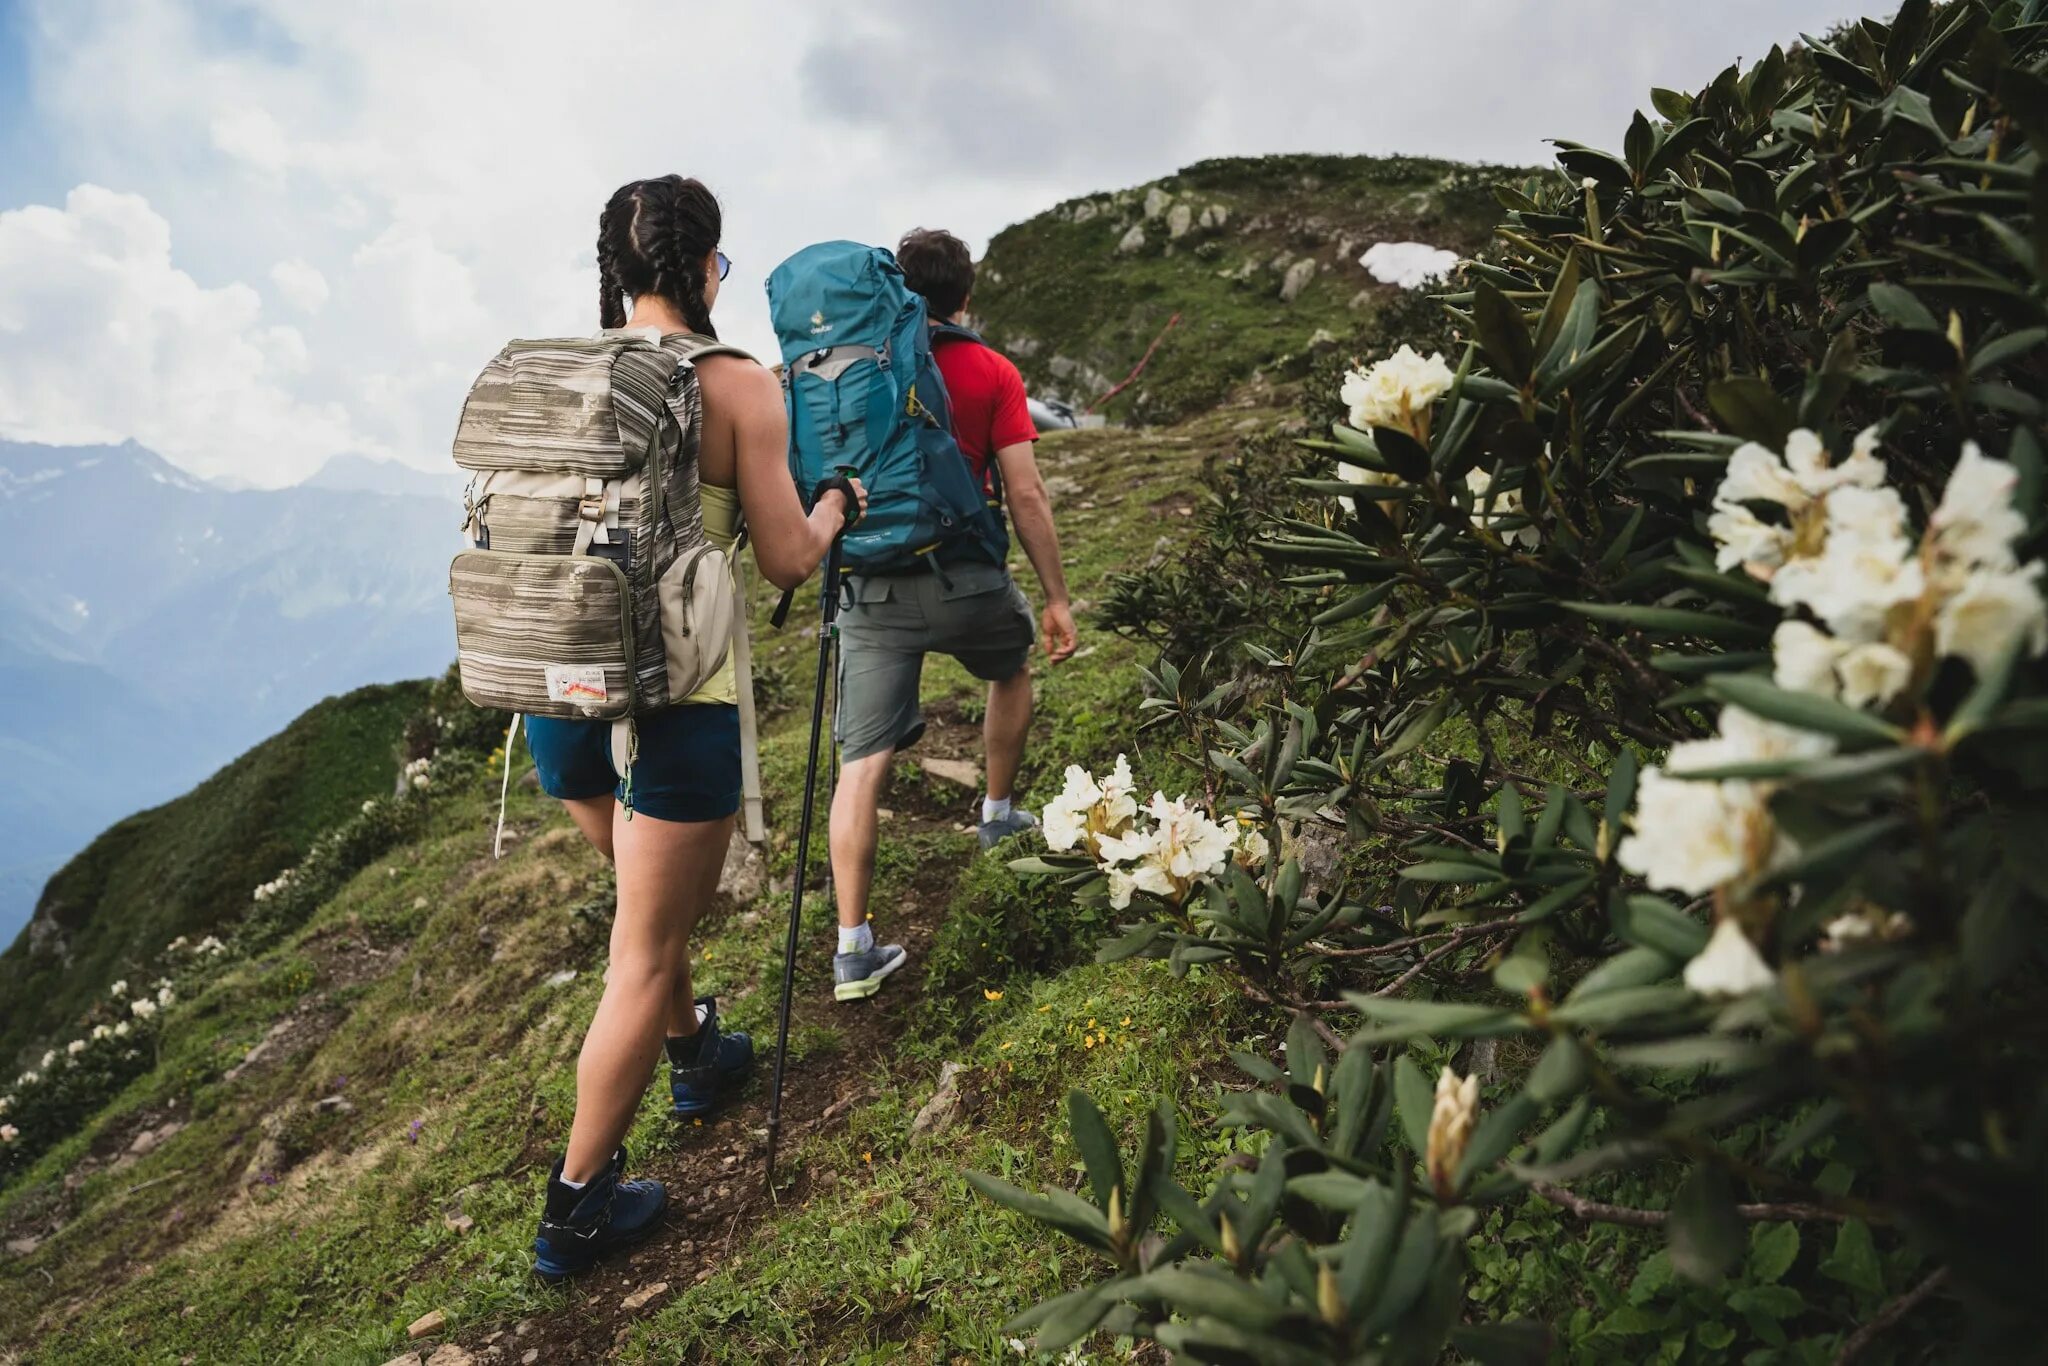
{"x":591,"y":507}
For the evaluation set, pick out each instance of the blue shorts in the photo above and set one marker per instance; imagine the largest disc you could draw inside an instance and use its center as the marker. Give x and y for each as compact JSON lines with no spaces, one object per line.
{"x":688,"y":768}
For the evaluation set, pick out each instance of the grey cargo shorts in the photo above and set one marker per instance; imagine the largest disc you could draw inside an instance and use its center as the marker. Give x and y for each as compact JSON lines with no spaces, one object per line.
{"x":976,"y":614}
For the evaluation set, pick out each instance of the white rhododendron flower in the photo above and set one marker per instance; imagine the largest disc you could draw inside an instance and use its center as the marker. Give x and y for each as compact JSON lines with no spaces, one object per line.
{"x":143,"y":1008}
{"x":119,"y":988}
{"x":166,"y":997}
{"x":1743,"y":538}
{"x":1490,"y":508}
{"x":1803,"y":658}
{"x":1976,"y":522}
{"x":121,"y":1026}
{"x":1410,"y":265}
{"x":1992,"y":612}
{"x":1397,"y":392}
{"x":1251,"y":849}
{"x":1692,"y":834}
{"x":49,"y":1059}
{"x":1086,"y":811}
{"x":1864,"y":568}
{"x":75,"y":1047}
{"x":8,"y":1133}
{"x":28,"y":1078}
{"x":1755,"y":474}
{"x":1867,"y":925}
{"x":1358,"y":474}
{"x":369,"y":806}
{"x":1872,"y":674}
{"x":6,"y":1104}
{"x":1729,"y":965}
{"x":176,"y":945}
{"x":101,"y":1032}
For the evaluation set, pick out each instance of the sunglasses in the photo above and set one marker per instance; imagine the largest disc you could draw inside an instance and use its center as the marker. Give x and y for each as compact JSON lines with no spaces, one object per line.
{"x":724,"y":264}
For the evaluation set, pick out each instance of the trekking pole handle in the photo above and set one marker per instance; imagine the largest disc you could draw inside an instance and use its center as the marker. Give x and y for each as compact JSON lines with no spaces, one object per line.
{"x":843,"y":482}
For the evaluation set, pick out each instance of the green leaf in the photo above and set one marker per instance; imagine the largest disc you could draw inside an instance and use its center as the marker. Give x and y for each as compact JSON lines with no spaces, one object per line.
{"x":1098,"y":1148}
{"x":1627,"y":1003}
{"x":1332,"y":1190}
{"x":1414,"y":1098}
{"x":1400,"y":1019}
{"x":1630,"y":968}
{"x":1854,"y":1261}
{"x":1671,"y":620}
{"x":1503,"y":333}
{"x":1559,"y":1074}
{"x":1704,"y":1234}
{"x":1750,"y":408}
{"x":1651,"y":922}
{"x":1901,"y":308}
{"x":1806,"y":711}
{"x":1772,"y":1250}
{"x":1444,"y":871}
{"x":1494,"y":1135}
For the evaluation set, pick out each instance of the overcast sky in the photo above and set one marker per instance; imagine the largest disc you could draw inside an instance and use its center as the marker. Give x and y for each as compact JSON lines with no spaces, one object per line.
{"x":252,"y":235}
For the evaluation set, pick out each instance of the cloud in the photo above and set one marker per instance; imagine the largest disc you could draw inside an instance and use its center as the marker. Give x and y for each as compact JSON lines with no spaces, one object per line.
{"x":300,"y":284}
{"x":440,"y":177}
{"x":104,"y":339}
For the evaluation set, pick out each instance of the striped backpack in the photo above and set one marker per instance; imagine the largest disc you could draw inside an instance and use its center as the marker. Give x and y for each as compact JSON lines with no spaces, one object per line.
{"x":588,"y":589}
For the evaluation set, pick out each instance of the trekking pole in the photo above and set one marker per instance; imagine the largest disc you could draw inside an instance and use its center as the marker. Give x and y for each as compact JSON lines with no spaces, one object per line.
{"x":829,"y":614}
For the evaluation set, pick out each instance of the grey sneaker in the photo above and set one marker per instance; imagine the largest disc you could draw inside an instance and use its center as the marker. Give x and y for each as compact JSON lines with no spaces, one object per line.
{"x":1018,"y":821}
{"x":856,"y":976}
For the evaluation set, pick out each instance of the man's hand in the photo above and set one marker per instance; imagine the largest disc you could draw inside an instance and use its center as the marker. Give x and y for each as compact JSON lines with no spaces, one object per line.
{"x":1057,"y":624}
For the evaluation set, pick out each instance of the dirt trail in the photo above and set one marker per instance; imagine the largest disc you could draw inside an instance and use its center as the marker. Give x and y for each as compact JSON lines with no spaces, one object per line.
{"x":717,"y":1194}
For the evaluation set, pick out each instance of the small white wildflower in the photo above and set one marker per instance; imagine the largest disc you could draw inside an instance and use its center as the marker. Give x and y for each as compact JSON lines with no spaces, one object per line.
{"x":421,"y":781}
{"x":28,"y":1078}
{"x":1729,"y":965}
{"x":369,"y":806}
{"x":166,"y":997}
{"x":119,"y":988}
{"x":8,"y":1133}
{"x":1870,"y":923}
{"x":49,"y":1058}
{"x":6,"y":1104}
{"x":121,"y":1026}
{"x":75,"y":1047}
{"x":176,"y":945}
{"x":101,"y":1031}
{"x":143,"y":1008}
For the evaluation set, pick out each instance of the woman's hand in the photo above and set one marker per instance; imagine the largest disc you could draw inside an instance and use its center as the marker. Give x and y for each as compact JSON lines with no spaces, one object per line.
{"x":834,"y":499}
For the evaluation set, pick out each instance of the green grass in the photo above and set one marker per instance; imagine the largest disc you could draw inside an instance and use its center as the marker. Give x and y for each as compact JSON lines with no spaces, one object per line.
{"x":188,"y":866}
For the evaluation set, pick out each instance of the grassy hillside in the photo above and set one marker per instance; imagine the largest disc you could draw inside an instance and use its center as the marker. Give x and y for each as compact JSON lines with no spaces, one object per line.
{"x":350,"y":1130}
{"x":187,"y":867}
{"x":1078,"y":293}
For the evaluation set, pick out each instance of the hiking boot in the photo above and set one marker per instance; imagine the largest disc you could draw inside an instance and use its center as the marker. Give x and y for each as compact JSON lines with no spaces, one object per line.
{"x":1016,"y":823}
{"x":579,"y":1226}
{"x":856,"y":976}
{"x":713,"y":1062}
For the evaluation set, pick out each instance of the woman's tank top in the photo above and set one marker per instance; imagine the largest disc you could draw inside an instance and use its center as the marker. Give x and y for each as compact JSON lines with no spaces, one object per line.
{"x":721,"y":526}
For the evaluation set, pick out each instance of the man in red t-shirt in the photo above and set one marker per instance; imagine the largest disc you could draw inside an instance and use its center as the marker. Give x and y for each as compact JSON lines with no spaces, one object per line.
{"x":971,"y":611}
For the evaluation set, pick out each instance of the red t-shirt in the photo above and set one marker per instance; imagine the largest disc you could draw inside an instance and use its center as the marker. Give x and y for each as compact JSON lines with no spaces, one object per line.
{"x":989,"y":407}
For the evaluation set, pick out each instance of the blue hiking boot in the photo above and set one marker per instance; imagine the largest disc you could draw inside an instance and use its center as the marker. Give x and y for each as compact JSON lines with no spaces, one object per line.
{"x":856,"y":976}
{"x":703,"y":1068}
{"x":1016,"y":823}
{"x":579,"y":1226}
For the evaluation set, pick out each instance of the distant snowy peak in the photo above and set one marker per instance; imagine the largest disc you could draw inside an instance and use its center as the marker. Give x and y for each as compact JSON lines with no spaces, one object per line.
{"x":31,"y":470}
{"x":362,"y":474}
{"x":1410,"y":265}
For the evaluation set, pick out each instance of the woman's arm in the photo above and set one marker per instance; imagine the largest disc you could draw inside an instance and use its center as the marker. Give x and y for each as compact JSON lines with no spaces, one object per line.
{"x":787,"y":544}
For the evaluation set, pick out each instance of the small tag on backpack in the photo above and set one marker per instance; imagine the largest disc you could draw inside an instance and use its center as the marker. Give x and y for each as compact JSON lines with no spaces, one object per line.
{"x":576,"y":683}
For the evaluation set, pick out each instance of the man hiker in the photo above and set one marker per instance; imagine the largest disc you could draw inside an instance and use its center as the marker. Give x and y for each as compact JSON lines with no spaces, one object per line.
{"x":965,"y":608}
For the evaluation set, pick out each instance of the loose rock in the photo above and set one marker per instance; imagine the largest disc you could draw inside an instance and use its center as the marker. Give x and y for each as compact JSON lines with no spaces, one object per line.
{"x":431,"y":1322}
{"x":1134,"y":240}
{"x":961,"y":771}
{"x":643,"y":1297}
{"x":448,"y":1354}
{"x":1297,"y":278}
{"x":943,"y":1108}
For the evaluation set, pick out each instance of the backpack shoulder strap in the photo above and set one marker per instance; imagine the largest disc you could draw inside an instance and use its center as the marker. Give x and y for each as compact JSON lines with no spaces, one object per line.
{"x":693,"y":346}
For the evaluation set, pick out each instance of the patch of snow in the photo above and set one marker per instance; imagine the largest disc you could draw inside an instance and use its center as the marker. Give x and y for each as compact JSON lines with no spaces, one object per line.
{"x":1407,"y":264}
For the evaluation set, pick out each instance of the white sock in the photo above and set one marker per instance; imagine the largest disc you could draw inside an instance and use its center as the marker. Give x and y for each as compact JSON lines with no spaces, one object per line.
{"x":994,"y":809}
{"x":859,"y":939}
{"x":574,"y":1185}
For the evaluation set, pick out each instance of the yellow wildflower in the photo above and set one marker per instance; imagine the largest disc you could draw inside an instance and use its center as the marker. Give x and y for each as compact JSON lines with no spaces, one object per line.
{"x":988,"y":995}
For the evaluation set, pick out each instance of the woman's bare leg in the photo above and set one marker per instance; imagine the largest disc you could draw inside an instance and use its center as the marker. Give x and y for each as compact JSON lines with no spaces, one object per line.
{"x":668,"y":872}
{"x":593,"y":816}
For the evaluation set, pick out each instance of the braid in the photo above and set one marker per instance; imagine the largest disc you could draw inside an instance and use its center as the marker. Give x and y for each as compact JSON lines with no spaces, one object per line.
{"x":652,"y":239}
{"x":611,"y":302}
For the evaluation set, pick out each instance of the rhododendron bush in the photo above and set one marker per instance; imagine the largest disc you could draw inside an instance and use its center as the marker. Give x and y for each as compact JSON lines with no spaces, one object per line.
{"x":1652,"y":828}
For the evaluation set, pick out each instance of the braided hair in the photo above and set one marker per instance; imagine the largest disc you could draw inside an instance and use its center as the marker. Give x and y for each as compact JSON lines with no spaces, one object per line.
{"x":652,"y":238}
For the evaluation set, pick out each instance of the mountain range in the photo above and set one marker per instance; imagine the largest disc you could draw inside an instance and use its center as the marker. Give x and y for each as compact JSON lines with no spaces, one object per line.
{"x":153,"y":625}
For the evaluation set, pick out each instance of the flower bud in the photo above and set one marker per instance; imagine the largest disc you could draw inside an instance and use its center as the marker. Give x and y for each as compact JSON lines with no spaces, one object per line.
{"x":1450,"y":1129}
{"x":1329,"y":1302}
{"x":1116,"y":1213}
{"x":1232,"y":1249}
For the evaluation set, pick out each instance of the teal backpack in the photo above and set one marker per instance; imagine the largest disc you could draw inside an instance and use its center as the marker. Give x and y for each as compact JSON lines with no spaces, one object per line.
{"x":865,"y":398}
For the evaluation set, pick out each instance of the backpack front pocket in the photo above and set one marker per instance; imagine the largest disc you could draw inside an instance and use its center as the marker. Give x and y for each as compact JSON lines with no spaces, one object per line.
{"x":548,"y":635}
{"x":697,"y":603}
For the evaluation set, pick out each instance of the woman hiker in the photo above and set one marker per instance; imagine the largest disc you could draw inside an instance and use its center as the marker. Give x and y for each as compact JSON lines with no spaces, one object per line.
{"x":659,"y":267}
